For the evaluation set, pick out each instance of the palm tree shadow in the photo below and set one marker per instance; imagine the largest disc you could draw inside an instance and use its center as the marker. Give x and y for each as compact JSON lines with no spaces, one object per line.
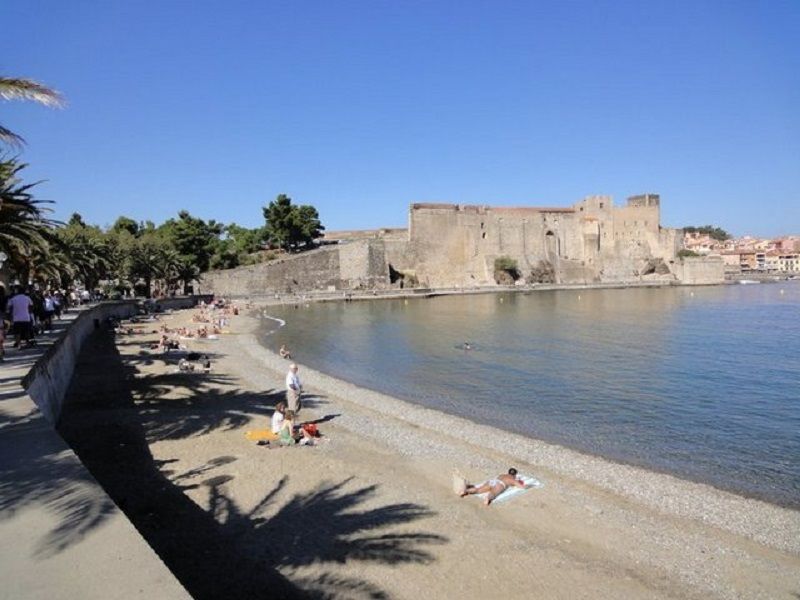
{"x":225,"y":551}
{"x":324,"y":527}
{"x":41,"y":474}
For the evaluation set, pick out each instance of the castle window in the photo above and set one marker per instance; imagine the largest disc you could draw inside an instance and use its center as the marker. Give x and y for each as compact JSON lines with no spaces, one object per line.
{"x":483,"y":235}
{"x":601,"y":205}
{"x":481,"y":224}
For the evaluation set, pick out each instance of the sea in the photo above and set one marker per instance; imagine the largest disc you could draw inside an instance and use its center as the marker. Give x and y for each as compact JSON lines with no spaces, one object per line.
{"x":699,"y":382}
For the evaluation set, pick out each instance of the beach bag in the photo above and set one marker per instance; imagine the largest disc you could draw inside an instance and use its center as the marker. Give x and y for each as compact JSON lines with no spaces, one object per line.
{"x":459,"y":483}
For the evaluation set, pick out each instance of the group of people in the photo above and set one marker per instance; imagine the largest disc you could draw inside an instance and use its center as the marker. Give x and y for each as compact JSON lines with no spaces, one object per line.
{"x":283,"y":423}
{"x":187,"y":366}
{"x":28,"y":312}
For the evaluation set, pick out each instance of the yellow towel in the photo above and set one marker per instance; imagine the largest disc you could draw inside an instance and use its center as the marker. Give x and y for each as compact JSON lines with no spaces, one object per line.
{"x":260,"y":434}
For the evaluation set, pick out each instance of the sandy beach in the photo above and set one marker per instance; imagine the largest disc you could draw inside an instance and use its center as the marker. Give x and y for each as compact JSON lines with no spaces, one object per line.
{"x":370,"y":513}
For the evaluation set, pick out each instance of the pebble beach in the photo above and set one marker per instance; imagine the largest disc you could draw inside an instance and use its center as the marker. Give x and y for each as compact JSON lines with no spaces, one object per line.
{"x":370,"y":511}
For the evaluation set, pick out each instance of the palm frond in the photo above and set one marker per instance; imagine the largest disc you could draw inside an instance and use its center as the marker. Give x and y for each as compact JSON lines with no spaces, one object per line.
{"x":27,"y":89}
{"x":12,"y":139}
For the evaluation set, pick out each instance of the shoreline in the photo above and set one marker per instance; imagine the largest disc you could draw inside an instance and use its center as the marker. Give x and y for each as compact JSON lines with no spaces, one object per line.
{"x":288,"y":298}
{"x":500,"y":431}
{"x":775,"y":525}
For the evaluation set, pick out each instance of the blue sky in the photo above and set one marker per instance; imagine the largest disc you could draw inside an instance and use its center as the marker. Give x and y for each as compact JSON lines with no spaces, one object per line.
{"x":360,"y":108}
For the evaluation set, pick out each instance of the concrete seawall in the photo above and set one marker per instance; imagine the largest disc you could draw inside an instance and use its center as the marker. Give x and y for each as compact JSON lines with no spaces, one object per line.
{"x":48,"y":379}
{"x":62,"y":536}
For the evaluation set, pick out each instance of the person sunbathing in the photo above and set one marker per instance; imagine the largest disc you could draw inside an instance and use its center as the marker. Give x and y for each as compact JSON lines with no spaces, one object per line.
{"x":495,"y":486}
{"x":284,"y":352}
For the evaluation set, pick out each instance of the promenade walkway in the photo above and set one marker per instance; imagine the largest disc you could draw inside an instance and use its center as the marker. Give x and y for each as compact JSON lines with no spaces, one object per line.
{"x":61,"y":536}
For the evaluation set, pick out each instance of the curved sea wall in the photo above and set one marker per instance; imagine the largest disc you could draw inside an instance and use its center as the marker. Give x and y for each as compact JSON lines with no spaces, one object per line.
{"x":48,"y":379}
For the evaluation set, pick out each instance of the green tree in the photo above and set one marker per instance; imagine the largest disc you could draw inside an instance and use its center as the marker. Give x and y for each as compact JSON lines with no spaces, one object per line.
{"x":195,"y":241}
{"x":25,"y":89}
{"x":716,"y":233}
{"x":88,"y":250}
{"x":289,"y":226}
{"x":145,"y":259}
{"x":126,"y":224}
{"x":237,"y":246}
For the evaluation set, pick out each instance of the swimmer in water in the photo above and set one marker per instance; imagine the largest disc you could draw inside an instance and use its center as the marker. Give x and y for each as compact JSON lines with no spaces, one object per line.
{"x":467,"y":346}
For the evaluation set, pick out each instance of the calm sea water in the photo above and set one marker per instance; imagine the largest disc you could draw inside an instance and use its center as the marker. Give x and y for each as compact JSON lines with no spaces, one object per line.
{"x":703,"y":383}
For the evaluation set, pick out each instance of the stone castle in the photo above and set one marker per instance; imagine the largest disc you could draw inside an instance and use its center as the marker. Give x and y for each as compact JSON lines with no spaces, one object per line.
{"x":450,"y":245}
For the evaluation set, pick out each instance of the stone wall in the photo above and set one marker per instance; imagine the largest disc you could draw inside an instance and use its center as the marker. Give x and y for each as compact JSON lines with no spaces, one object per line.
{"x":352,"y":265}
{"x":702,"y":270}
{"x":48,"y":379}
{"x":593,"y":241}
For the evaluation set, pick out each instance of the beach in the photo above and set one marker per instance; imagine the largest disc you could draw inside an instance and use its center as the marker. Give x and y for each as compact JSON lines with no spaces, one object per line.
{"x":370,"y":511}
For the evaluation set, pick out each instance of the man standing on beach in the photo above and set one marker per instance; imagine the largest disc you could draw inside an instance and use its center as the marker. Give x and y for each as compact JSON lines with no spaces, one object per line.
{"x":293,"y":389}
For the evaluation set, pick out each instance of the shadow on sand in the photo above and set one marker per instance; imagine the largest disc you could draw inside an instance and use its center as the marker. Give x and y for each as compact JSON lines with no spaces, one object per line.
{"x":112,"y":415}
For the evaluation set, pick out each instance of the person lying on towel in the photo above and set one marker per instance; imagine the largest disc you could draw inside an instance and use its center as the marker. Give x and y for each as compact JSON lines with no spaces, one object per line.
{"x":496,"y":486}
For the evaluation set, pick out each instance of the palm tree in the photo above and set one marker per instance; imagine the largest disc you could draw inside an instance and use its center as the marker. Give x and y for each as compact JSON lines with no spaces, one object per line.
{"x":25,"y":89}
{"x":25,"y":232}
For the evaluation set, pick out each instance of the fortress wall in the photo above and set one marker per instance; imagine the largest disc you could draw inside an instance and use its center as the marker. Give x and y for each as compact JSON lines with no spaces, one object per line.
{"x":363,"y":265}
{"x":455,"y":245}
{"x":631,"y":222}
{"x":445,"y":253}
{"x":400,"y":254}
{"x":360,"y":263}
{"x":703,"y":270}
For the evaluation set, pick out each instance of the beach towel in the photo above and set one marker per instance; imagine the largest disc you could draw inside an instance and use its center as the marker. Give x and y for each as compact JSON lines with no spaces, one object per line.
{"x":256,"y":435}
{"x":530,"y":482}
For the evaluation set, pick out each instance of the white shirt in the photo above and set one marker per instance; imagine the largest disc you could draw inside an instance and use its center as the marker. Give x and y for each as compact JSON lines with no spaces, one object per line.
{"x":277,"y":421}
{"x":49,"y":305}
{"x":293,"y":381}
{"x":19,"y":307}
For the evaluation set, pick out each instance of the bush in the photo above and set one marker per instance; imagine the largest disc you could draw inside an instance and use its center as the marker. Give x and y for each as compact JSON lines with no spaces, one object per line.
{"x":684,"y":252}
{"x":505,"y":267}
{"x":505,"y":263}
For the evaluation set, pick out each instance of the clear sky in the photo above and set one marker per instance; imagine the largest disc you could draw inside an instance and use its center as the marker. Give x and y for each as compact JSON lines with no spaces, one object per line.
{"x":362,"y":107}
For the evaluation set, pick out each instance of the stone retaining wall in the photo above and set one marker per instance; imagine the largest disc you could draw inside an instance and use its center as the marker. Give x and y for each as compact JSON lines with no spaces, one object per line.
{"x":48,"y":379}
{"x":353,"y":265}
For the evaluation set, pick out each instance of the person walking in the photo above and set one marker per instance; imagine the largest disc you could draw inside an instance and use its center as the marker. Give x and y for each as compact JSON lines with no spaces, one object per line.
{"x":20,"y":308}
{"x":293,"y":389}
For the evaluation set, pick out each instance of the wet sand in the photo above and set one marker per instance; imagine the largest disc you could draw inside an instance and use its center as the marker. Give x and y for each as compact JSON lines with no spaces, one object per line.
{"x":370,"y":512}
